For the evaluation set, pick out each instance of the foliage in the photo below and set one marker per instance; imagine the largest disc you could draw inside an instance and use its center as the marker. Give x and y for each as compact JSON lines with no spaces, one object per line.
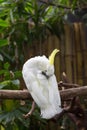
{"x":11,"y":111}
{"x":12,"y":116}
{"x":23,"y":22}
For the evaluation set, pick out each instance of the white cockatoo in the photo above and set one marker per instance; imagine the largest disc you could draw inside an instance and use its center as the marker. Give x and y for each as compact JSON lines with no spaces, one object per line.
{"x":39,"y":77}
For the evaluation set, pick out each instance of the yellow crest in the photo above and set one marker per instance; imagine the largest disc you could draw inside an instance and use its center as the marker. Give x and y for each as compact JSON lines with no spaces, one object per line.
{"x":52,"y":56}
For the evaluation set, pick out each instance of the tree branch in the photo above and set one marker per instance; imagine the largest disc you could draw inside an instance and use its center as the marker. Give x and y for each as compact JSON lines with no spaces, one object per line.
{"x":15,"y":94}
{"x":24,"y":94}
{"x":69,"y":93}
{"x":67,"y":85}
{"x":56,"y":5}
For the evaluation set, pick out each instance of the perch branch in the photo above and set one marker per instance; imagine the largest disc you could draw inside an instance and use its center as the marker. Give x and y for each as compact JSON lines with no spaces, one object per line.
{"x":24,"y":94}
{"x":15,"y":94}
{"x":69,"y":93}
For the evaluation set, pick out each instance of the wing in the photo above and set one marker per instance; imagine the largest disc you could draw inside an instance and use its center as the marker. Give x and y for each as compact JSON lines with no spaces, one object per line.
{"x":54,"y":92}
{"x":36,"y":89}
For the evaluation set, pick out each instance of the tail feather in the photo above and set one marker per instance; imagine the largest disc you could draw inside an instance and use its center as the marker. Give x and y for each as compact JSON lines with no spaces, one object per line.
{"x":50,"y":112}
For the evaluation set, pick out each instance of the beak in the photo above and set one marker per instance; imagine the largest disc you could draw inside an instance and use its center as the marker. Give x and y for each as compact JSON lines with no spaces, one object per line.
{"x":52,"y":56}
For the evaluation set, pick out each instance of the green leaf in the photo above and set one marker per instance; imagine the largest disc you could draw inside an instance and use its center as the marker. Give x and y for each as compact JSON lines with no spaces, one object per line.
{"x":2,"y":72}
{"x":2,"y":86}
{"x":18,"y":74}
{"x":1,"y":58}
{"x":3,"y":42}
{"x":10,"y":84}
{"x":6,"y":66}
{"x":16,"y":82}
{"x":9,"y":104}
{"x":4,"y":23}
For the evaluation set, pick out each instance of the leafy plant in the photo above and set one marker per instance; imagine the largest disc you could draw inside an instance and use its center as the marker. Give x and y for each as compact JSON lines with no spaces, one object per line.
{"x":11,"y":111}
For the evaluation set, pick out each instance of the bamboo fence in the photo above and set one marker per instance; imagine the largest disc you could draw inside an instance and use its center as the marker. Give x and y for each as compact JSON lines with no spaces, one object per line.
{"x":72,"y":56}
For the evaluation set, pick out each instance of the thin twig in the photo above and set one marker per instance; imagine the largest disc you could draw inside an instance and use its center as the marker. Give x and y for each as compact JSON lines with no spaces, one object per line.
{"x":31,"y":111}
{"x":56,"y":5}
{"x":68,"y":85}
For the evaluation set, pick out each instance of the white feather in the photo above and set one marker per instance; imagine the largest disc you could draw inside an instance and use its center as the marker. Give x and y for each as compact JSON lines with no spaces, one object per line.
{"x":44,"y":91}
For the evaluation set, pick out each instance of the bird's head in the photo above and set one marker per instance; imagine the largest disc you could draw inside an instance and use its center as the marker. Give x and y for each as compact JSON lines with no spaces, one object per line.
{"x":49,"y":69}
{"x":41,"y":65}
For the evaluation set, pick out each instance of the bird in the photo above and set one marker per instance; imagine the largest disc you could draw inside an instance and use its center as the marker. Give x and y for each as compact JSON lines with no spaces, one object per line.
{"x":39,"y":77}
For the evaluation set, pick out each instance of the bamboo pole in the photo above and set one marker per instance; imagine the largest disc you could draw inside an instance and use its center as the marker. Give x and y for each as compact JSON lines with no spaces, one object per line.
{"x":68,"y":51}
{"x":84,"y":52}
{"x":24,"y":94}
{"x":62,"y":56}
{"x":78,"y":53}
{"x":73,"y":60}
{"x":56,"y":44}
